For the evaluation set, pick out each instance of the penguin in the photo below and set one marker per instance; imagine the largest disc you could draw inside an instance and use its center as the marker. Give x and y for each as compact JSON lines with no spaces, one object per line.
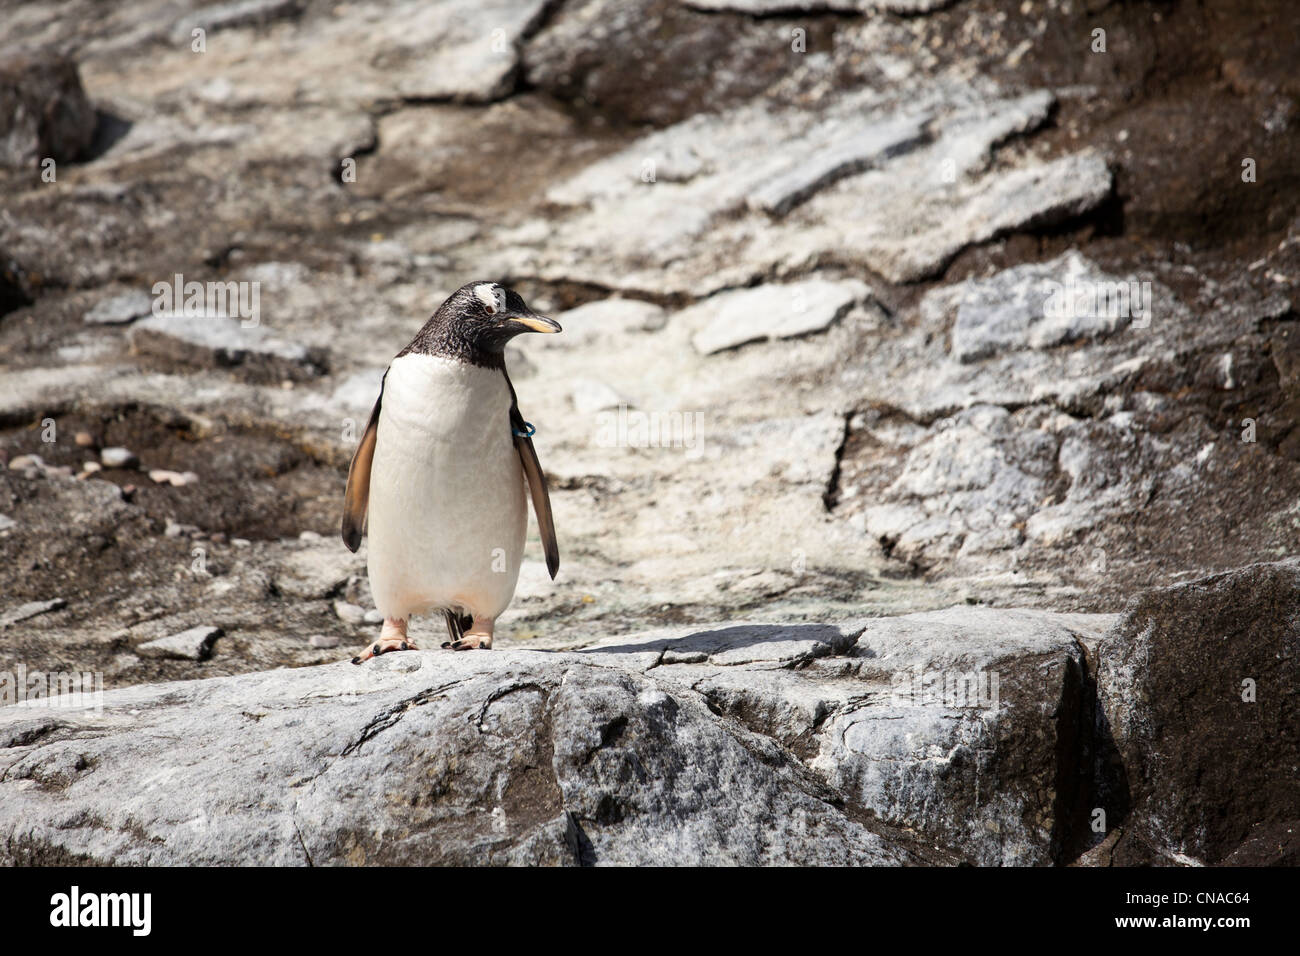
{"x":438,"y":481}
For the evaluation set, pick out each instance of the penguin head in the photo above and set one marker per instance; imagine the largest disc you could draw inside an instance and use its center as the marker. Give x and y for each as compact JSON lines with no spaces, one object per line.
{"x":489,"y":315}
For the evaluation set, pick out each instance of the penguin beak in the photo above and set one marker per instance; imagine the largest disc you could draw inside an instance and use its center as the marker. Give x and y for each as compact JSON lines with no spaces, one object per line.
{"x":530,"y":322}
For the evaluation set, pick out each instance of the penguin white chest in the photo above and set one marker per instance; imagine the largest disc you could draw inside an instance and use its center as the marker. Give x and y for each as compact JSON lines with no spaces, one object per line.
{"x":447,"y":515}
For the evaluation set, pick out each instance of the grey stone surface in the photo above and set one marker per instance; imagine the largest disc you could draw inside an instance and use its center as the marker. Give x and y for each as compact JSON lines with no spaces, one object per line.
{"x":118,"y":457}
{"x":1197,"y":685}
{"x":767,"y":7}
{"x":120,"y":309}
{"x":194,"y":644}
{"x":745,"y":744}
{"x":224,"y":342}
{"x":44,"y":111}
{"x":1038,"y":306}
{"x":31,"y":609}
{"x":224,"y":16}
{"x":773,"y":312}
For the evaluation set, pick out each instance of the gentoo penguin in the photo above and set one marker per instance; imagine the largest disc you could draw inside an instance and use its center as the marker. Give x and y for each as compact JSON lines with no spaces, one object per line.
{"x":438,"y":478}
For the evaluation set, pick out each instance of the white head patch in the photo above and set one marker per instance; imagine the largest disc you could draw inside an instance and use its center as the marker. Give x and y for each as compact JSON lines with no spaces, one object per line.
{"x":492,"y":296}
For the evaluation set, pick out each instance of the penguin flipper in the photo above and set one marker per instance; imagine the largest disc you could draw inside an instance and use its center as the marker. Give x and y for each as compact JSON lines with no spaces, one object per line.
{"x":537,"y":489}
{"x":356,"y":499}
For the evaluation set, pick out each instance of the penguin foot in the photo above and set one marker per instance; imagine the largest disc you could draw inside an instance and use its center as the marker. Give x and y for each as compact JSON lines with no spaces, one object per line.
{"x":480,"y":635}
{"x":470,"y":642}
{"x":391,"y":638}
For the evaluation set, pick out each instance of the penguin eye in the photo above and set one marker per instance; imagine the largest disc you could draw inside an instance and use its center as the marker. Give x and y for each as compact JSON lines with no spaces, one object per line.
{"x":493,"y":297}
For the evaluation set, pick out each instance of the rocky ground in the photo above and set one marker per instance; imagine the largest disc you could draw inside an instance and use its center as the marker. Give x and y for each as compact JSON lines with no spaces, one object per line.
{"x":813,"y":238}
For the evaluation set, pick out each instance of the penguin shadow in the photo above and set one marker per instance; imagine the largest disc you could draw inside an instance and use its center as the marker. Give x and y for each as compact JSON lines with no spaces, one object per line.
{"x":705,"y":644}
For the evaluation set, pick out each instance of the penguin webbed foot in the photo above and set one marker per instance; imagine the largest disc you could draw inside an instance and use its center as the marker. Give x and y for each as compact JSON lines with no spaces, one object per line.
{"x":391,"y":638}
{"x":470,"y":642}
{"x":479,"y":634}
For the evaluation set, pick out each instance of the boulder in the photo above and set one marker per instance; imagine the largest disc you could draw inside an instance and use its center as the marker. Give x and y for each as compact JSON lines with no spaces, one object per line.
{"x":44,"y":112}
{"x":744,"y":744}
{"x":1200,"y":686}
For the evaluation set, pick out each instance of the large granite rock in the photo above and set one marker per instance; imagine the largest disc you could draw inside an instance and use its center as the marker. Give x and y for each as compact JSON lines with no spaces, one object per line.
{"x":1200,"y":685}
{"x":878,"y":743}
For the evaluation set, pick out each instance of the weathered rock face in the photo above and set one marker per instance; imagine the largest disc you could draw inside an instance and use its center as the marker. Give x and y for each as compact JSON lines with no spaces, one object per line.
{"x":44,"y":112}
{"x":1200,"y":685}
{"x":881,"y":743}
{"x":975,"y":735}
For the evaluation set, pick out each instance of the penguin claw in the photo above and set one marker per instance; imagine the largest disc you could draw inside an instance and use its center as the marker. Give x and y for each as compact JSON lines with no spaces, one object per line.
{"x":385,"y":646}
{"x":470,"y":642}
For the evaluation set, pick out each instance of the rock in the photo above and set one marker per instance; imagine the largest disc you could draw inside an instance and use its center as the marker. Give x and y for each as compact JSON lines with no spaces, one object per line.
{"x":790,"y":743}
{"x":7,"y":522}
{"x":118,"y":457}
{"x":1026,"y":307}
{"x":44,"y":113}
{"x":349,"y":613}
{"x":374,"y":617}
{"x":1197,"y":684}
{"x":162,"y":476}
{"x":841,"y":157}
{"x":905,"y":715}
{"x":923,"y":199}
{"x":610,"y":321}
{"x":84,"y":440}
{"x":324,"y":641}
{"x":318,"y":571}
{"x":968,"y":484}
{"x":592,"y":395}
{"x":192,"y":645}
{"x":220,"y":342}
{"x":227,"y":16}
{"x":31,"y":609}
{"x":27,"y":463}
{"x":120,"y":309}
{"x":607,"y":53}
{"x":562,"y":739}
{"x":772,"y":312}
{"x":1275,"y":844}
{"x":770,"y":7}
{"x":912,"y":239}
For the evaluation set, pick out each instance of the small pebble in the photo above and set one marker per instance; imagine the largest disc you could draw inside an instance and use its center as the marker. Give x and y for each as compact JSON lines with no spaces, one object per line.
{"x":240,"y":542}
{"x":374,"y":617}
{"x":309,"y":536}
{"x":349,"y":613}
{"x":91,"y":467}
{"x":193,"y":645}
{"x":118,"y":457}
{"x":84,"y":439}
{"x":176,"y":479}
{"x":26,"y":462}
{"x":324,"y":640}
